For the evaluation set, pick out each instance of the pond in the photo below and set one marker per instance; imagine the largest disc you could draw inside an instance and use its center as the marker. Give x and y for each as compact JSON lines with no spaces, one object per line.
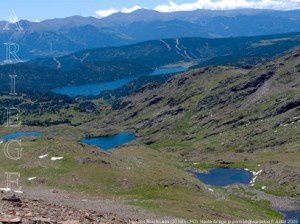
{"x":96,"y":89}
{"x":16,"y":135}
{"x":111,"y":141}
{"x":224,"y":176}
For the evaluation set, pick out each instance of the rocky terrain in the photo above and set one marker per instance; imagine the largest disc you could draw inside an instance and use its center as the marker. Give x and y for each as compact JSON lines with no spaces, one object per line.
{"x":16,"y":209}
{"x":49,"y":206}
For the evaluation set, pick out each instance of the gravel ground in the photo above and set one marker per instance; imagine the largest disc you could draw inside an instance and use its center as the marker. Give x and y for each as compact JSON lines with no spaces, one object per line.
{"x":38,"y":205}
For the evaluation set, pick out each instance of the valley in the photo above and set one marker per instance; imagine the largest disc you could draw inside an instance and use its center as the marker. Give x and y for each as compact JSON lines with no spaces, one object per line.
{"x":211,"y":117}
{"x":137,"y":62}
{"x":150,"y":115}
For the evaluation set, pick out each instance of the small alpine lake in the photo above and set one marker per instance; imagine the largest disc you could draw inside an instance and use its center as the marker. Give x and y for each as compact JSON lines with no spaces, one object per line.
{"x":106,"y":143}
{"x":224,"y":176}
{"x":20,"y":134}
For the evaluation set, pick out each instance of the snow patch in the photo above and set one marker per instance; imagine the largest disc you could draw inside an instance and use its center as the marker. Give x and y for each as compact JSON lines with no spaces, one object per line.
{"x":9,"y":190}
{"x":43,"y":156}
{"x":5,"y":189}
{"x":255,"y":174}
{"x":56,"y":158}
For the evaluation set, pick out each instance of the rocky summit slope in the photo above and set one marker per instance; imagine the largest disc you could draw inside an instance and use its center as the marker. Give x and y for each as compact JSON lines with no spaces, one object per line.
{"x":15,"y":209}
{"x":218,"y":116}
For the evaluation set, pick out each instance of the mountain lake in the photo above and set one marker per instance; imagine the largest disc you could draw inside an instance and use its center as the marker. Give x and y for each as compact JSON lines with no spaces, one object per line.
{"x":96,"y":89}
{"x":106,"y":143}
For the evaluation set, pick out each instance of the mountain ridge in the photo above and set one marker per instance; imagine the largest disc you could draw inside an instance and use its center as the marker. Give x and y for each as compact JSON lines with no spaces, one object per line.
{"x":133,"y":61}
{"x":57,"y":37}
{"x":177,"y":49}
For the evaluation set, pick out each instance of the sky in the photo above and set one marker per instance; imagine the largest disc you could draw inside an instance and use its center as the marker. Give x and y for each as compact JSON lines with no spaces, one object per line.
{"x":37,"y":10}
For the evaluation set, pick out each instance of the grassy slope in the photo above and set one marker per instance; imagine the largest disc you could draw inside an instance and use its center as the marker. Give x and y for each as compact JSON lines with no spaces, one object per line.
{"x":245,"y":118}
{"x":140,"y":175}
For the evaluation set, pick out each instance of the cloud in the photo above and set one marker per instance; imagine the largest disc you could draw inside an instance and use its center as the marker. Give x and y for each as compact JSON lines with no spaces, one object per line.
{"x":130,"y":10}
{"x":172,"y":6}
{"x":229,"y":4}
{"x":110,"y":11}
{"x":106,"y":12}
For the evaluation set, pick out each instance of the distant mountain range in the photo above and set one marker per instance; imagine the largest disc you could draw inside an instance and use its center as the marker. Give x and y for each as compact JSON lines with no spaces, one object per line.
{"x":194,"y":50}
{"x":57,"y":37}
{"x":133,"y":61}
